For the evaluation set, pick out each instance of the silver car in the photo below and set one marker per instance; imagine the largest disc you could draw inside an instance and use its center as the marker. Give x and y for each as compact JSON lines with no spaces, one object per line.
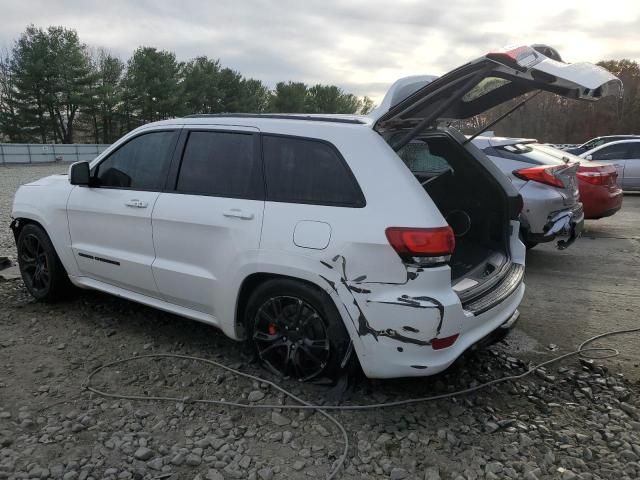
{"x":546,"y":179}
{"x":625,"y":156}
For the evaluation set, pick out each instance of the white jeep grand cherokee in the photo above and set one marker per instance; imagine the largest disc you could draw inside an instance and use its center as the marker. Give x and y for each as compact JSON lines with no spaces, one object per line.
{"x":319,"y":239}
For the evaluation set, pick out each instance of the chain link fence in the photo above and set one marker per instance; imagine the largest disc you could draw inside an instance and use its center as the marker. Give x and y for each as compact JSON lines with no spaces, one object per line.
{"x":24,"y":153}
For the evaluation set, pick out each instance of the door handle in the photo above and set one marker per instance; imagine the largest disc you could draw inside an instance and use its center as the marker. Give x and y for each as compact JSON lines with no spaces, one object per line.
{"x":235,"y":213}
{"x":135,"y":203}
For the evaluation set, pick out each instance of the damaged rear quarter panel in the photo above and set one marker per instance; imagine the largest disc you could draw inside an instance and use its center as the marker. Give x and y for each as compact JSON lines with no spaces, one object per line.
{"x":394,"y":314}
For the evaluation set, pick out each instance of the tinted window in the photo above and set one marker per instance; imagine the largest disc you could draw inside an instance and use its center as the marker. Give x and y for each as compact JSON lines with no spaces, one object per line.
{"x":611,"y":152}
{"x":141,"y":163}
{"x":307,"y":171}
{"x":219,"y":163}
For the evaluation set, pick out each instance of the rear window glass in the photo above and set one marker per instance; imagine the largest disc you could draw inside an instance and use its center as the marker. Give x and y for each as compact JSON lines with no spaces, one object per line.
{"x":299,"y":170}
{"x":535,"y":153}
{"x":485,"y":86}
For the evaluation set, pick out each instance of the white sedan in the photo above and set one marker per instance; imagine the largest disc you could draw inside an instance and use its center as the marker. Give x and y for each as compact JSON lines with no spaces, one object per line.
{"x":625,"y":156}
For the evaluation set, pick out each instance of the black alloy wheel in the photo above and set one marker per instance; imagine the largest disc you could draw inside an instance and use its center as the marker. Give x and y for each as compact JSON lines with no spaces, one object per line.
{"x":291,"y":339}
{"x":34,"y":265}
{"x":41,"y":269}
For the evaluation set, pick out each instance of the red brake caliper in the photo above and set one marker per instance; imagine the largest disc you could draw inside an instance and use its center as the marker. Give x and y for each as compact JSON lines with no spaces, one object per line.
{"x":272,"y":329}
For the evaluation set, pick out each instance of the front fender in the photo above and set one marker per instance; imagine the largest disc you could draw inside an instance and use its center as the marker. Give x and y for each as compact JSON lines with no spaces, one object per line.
{"x":47,"y":206}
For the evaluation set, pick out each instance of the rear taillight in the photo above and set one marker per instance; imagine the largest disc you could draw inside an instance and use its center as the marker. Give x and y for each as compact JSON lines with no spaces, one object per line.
{"x":423,"y":246}
{"x":598,"y":175}
{"x":519,"y":57}
{"x":543,"y":174}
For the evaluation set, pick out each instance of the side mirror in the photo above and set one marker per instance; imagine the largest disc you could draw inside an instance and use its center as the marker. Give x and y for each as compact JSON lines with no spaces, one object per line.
{"x":589,"y":157}
{"x":79,"y":174}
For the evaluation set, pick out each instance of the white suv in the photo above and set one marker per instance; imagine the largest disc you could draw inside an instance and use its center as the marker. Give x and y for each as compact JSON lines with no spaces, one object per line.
{"x":308,"y":236}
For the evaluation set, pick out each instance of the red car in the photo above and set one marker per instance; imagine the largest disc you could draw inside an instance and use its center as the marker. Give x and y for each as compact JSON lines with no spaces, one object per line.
{"x":599,"y":191}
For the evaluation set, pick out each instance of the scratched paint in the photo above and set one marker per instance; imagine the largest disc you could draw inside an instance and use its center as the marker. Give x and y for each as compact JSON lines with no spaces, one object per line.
{"x":362,"y":325}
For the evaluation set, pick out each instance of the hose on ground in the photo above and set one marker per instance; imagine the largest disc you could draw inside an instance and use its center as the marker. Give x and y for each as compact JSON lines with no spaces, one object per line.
{"x":600,"y":354}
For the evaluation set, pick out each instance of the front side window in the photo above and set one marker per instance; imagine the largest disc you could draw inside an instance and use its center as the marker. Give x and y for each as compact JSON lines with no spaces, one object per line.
{"x":220,"y":164}
{"x":634,"y":152}
{"x":611,"y":152}
{"x":139,"y":164}
{"x":308,"y":171}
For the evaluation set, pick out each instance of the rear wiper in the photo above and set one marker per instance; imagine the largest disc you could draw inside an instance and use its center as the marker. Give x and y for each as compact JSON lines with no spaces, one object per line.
{"x":487,"y":127}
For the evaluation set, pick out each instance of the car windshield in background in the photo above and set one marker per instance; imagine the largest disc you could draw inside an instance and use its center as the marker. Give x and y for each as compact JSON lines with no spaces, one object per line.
{"x":536,"y":153}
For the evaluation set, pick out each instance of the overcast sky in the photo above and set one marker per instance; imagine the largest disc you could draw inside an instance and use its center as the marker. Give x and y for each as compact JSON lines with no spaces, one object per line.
{"x":360,"y":45}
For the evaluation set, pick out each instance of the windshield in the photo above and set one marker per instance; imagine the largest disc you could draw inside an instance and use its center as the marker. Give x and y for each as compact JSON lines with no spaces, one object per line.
{"x":536,"y":153}
{"x":596,"y":142}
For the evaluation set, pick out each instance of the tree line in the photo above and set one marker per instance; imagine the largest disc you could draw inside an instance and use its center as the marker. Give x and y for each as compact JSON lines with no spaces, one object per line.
{"x":54,"y":89}
{"x":554,"y":119}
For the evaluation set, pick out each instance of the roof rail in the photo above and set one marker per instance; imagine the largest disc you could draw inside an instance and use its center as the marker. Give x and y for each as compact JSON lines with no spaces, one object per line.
{"x":282,"y":116}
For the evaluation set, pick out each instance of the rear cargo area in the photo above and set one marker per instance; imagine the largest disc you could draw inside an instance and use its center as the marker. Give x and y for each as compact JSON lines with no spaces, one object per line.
{"x":472,"y":202}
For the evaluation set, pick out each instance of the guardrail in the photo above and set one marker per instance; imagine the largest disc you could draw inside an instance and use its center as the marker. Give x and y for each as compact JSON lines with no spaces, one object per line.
{"x":21,"y":153}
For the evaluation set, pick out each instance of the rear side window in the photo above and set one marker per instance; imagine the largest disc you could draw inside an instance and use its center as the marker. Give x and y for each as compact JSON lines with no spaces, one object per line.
{"x":308,"y":171}
{"x":220,"y":164}
{"x":140,"y":164}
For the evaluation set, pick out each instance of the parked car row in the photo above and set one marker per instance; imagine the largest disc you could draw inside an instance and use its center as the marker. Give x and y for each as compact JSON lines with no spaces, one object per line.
{"x":557,"y":187}
{"x":387,"y":240}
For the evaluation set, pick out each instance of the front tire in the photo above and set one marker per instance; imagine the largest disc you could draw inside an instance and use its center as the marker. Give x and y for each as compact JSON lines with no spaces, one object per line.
{"x":296,"y":330}
{"x":41,"y":269}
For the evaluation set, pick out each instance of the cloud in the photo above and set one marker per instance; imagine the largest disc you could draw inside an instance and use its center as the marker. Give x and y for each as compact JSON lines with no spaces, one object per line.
{"x":362,"y":46}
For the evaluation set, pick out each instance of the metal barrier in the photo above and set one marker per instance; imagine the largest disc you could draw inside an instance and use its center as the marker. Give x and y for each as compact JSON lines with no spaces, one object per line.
{"x":20,"y":153}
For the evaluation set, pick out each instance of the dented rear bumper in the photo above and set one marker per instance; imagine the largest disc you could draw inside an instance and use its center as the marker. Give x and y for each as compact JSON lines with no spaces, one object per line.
{"x":389,"y":358}
{"x":398,"y":331}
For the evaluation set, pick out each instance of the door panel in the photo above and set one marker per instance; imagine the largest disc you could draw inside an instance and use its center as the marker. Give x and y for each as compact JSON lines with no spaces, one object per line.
{"x":110,"y":221}
{"x":631,"y":178}
{"x":210,"y":218}
{"x":199,"y":241}
{"x":112,"y":241}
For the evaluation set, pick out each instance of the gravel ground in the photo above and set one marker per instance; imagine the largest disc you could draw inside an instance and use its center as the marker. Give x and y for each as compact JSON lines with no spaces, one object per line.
{"x":578,"y":419}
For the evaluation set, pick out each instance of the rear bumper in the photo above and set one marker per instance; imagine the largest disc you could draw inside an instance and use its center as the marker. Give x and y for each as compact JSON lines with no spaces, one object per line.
{"x":410,"y":354}
{"x":566,"y":224}
{"x":600,"y":201}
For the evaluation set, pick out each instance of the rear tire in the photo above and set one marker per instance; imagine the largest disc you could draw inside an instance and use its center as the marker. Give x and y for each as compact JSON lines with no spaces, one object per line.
{"x":40,"y":267}
{"x":296,"y":330}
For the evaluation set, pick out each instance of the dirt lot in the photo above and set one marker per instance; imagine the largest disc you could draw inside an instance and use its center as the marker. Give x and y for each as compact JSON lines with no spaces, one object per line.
{"x":574,"y":420}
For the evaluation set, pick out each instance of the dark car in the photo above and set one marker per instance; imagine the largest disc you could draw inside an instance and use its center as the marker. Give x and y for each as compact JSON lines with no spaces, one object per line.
{"x":596,"y":142}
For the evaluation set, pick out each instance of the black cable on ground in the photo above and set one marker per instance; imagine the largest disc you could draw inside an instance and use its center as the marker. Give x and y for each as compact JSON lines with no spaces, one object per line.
{"x":605,"y":352}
